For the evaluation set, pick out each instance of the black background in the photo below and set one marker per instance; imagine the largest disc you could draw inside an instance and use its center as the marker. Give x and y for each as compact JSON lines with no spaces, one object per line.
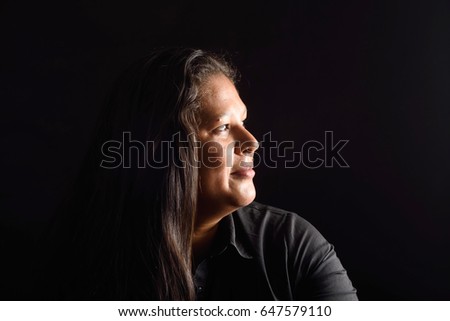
{"x":376,"y":73}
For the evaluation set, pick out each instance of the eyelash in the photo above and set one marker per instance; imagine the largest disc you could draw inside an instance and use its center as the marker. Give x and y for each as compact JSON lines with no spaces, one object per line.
{"x":225,"y":127}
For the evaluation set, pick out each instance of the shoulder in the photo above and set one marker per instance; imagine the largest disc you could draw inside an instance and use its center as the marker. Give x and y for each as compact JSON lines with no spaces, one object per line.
{"x":278,"y":235}
{"x":284,"y":242}
{"x":257,"y":217}
{"x":273,"y":231}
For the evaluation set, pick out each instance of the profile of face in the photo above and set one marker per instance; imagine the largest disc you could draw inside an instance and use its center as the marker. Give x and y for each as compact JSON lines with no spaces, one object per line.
{"x":226,"y":172}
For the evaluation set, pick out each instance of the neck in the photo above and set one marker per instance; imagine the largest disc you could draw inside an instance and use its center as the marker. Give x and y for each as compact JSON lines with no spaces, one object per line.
{"x":205,"y":229}
{"x":202,"y":241}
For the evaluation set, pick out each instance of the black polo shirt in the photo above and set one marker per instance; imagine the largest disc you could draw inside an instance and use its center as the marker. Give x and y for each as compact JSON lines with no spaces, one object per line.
{"x":265,"y":253}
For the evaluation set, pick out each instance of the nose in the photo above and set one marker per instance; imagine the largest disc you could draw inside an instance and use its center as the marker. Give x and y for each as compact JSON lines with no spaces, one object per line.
{"x":246,"y":144}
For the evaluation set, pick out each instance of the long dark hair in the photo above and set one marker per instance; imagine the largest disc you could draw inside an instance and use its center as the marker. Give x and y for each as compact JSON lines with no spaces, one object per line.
{"x":128,"y":229}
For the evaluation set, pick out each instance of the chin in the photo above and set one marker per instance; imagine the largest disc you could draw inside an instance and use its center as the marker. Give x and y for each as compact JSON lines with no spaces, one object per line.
{"x":245,"y":197}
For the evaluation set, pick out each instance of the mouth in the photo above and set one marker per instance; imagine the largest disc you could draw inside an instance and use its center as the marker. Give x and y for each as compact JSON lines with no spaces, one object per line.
{"x":244,"y":172}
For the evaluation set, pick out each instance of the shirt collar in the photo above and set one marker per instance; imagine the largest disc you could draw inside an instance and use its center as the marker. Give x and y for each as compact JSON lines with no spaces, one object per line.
{"x":228,"y":237}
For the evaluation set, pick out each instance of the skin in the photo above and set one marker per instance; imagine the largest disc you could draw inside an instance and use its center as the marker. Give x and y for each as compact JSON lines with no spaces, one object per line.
{"x":226,"y":174}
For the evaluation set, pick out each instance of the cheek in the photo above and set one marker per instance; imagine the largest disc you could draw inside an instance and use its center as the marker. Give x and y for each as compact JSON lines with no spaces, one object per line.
{"x":216,"y":156}
{"x":215,"y":168}
{"x":212,"y":155}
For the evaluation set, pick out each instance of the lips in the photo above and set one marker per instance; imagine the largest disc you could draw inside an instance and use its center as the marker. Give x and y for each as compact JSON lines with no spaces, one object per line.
{"x":244,"y":172}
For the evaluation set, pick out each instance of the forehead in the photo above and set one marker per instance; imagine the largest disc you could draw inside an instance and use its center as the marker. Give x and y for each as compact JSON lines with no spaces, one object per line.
{"x":220,"y":98}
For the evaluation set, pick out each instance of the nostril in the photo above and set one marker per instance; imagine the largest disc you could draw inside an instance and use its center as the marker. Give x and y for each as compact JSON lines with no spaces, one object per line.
{"x":249,"y":148}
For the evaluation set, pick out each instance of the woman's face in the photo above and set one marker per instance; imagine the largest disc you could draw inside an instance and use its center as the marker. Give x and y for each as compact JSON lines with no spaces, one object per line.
{"x":226,"y":172}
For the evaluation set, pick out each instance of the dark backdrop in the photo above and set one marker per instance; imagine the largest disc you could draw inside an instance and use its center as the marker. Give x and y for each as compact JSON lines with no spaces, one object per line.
{"x":376,"y":73}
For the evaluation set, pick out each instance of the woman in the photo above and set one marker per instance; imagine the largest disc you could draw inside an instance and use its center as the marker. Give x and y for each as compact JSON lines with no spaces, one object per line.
{"x":175,"y":220}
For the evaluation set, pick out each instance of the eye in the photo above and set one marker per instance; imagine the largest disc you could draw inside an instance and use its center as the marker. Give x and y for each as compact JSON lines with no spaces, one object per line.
{"x":222,"y":128}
